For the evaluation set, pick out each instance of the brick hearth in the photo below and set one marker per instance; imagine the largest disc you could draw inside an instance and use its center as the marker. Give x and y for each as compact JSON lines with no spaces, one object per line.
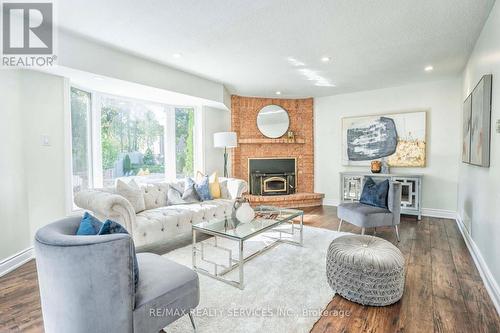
{"x":252,"y":144}
{"x":297,"y":200}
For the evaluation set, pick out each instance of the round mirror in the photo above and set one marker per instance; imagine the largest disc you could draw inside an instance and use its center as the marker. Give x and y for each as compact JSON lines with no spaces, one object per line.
{"x":273,"y":121}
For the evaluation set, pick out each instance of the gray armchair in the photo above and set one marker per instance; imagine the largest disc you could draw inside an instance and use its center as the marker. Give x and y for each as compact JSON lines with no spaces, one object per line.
{"x":87,"y":283}
{"x":365,"y":216}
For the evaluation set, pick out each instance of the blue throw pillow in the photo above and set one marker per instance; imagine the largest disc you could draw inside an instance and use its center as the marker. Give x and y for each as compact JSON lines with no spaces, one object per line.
{"x":110,"y":227}
{"x":89,"y":225}
{"x":202,"y":188}
{"x":375,"y":194}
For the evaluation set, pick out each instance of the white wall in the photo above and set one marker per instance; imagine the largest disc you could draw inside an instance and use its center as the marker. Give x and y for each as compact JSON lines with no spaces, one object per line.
{"x":78,"y":53}
{"x":478,"y":190}
{"x":443,"y":101}
{"x":15,"y":230}
{"x":215,"y":120}
{"x":42,"y":104}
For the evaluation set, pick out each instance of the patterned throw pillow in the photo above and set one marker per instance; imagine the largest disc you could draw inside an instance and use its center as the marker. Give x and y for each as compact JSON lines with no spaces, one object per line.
{"x":133,"y":193}
{"x":110,"y":227}
{"x":213,"y":184}
{"x":202,"y":189}
{"x":189,"y":195}
{"x":375,"y":194}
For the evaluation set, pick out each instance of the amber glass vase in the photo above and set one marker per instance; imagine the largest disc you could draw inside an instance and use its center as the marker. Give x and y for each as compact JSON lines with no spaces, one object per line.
{"x":376,"y":166}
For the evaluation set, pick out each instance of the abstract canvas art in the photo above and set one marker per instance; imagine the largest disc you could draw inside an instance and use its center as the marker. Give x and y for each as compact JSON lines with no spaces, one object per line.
{"x":399,"y":137}
{"x":466,"y":131}
{"x":481,"y":123}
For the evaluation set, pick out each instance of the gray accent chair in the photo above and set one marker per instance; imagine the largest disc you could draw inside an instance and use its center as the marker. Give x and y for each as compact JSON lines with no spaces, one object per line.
{"x":87,"y":283}
{"x":366,"y":216}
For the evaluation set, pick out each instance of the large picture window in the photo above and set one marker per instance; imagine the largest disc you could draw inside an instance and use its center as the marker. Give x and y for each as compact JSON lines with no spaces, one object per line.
{"x":118,"y":137}
{"x":80,"y":148}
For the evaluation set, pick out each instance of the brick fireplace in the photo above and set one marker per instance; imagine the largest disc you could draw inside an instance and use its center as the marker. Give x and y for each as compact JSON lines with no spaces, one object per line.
{"x":252,"y":145}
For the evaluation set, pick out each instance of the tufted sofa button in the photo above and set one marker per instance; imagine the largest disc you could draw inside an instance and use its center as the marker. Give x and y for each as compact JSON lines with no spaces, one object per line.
{"x":177,"y":224}
{"x":162,"y":229}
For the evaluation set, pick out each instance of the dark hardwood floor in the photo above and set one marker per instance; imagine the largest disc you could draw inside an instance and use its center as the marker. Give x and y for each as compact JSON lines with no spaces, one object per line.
{"x":443,"y":291}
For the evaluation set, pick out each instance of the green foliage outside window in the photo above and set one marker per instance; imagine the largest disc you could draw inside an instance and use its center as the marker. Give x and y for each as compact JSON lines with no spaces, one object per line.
{"x":184,"y":141}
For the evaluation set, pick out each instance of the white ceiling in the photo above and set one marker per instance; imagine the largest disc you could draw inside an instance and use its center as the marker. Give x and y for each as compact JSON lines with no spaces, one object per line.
{"x":257,"y":47}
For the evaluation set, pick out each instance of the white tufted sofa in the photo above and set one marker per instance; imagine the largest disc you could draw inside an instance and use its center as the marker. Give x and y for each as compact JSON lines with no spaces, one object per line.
{"x":159,"y":223}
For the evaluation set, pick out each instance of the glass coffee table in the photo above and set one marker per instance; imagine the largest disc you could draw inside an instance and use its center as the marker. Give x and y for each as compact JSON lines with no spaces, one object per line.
{"x":267,"y":219}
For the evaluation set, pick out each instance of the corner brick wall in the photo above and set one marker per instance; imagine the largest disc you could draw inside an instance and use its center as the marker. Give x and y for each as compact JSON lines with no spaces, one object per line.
{"x":244,"y":112}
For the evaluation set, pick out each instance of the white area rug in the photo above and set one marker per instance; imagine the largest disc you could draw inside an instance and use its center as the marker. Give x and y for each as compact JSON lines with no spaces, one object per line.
{"x":285,"y":288}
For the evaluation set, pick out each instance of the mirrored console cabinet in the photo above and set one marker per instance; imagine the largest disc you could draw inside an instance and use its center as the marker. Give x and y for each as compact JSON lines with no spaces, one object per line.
{"x":351,"y":185}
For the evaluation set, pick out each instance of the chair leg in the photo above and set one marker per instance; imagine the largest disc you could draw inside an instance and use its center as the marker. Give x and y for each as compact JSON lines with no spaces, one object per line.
{"x":397,"y":231}
{"x":362,"y":231}
{"x":192,"y":321}
{"x":340,"y":224}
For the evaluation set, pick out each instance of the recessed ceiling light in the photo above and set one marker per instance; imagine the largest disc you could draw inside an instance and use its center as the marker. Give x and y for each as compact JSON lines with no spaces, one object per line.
{"x":326,"y":59}
{"x":278,"y":93}
{"x":429,"y":69}
{"x":177,"y":55}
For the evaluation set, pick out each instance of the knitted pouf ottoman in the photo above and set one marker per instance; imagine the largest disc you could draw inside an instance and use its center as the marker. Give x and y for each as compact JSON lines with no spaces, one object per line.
{"x":366,"y":269}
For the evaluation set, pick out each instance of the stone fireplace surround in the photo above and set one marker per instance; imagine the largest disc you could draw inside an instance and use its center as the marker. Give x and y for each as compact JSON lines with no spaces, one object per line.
{"x":252,"y":144}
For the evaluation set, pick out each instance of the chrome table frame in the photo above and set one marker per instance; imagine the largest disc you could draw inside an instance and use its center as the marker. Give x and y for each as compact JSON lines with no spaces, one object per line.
{"x":239,"y":263}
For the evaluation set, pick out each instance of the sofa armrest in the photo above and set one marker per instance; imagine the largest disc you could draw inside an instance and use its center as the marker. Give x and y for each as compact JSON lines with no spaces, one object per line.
{"x":108,"y":206}
{"x":235,"y":187}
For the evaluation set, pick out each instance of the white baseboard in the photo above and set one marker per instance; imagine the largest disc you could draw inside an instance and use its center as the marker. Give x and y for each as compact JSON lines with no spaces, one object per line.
{"x":439,"y":213}
{"x":488,"y":279}
{"x":330,"y":202}
{"x":13,"y":262}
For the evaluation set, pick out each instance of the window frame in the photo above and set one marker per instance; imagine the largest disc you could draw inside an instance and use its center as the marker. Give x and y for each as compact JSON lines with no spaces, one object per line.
{"x":95,"y":145}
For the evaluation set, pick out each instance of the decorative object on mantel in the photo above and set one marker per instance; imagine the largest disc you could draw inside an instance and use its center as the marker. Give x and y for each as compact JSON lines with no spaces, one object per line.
{"x":477,"y":124}
{"x":376,"y":166}
{"x":273,"y":121}
{"x":400,"y":137}
{"x":351,"y":185}
{"x":291,"y":135}
{"x":242,"y":211}
{"x":225,"y":140}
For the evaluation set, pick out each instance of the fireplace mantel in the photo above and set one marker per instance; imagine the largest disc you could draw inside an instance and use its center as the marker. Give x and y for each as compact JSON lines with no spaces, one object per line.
{"x":266,"y":140}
